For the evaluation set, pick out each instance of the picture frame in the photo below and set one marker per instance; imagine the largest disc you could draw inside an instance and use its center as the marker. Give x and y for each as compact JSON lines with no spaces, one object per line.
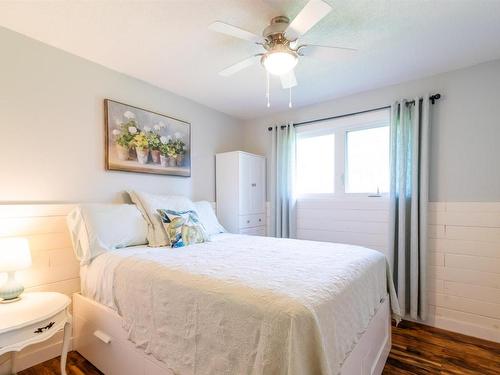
{"x":142,"y":141}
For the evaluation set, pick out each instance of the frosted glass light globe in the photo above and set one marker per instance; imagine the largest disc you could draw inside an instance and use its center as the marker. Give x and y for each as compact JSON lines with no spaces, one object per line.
{"x":279,"y":62}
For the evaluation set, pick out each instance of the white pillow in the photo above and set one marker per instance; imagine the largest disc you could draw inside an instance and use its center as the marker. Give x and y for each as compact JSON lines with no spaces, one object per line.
{"x":149,"y":204}
{"x":97,"y":228}
{"x":207,"y":217}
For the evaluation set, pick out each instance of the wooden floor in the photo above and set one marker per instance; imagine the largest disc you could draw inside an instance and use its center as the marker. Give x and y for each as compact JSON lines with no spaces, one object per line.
{"x":419,"y":349}
{"x":416,"y":349}
{"x":76,"y":365}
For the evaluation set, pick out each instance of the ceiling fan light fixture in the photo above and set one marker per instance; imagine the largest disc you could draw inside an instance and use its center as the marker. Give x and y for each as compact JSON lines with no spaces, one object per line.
{"x":279,"y":62}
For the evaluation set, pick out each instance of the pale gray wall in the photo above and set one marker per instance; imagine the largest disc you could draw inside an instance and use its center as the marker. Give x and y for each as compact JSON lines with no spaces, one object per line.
{"x":51,"y":119}
{"x":51,"y":122}
{"x":465,"y":146}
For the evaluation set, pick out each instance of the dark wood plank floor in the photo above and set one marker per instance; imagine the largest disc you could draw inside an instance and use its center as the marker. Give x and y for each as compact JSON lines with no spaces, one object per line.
{"x":416,"y":349}
{"x":419,"y":349}
{"x":76,"y":365}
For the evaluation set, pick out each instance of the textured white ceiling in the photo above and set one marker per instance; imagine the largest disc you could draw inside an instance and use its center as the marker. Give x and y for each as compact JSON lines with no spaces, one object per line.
{"x":167,"y":43}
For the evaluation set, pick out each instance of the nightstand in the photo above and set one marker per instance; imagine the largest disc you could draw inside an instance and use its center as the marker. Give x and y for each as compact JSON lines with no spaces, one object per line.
{"x":33,"y":319}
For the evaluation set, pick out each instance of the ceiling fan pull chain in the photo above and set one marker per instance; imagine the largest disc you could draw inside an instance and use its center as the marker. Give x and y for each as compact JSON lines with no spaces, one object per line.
{"x":290,"y":98}
{"x":268,"y":94}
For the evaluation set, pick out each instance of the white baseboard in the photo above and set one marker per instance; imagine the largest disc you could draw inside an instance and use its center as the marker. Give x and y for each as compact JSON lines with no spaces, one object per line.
{"x":464,"y":328}
{"x":459,"y":326}
{"x":35,"y":354}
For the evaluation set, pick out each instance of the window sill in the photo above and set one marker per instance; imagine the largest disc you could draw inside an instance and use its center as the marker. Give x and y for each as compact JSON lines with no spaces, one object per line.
{"x":344,"y":197}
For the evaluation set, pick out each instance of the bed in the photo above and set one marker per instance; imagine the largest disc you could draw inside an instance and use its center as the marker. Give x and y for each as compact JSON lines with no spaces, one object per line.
{"x":236,"y":305}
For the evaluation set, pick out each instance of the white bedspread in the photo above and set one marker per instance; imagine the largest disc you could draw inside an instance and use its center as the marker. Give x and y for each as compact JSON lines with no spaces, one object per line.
{"x":243,"y":304}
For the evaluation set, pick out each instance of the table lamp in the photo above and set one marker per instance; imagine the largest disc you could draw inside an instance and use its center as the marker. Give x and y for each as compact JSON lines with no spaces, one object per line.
{"x":14,"y":256}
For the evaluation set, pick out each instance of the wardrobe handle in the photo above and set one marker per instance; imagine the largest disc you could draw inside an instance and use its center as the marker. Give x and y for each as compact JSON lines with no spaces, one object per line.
{"x":254,"y":184}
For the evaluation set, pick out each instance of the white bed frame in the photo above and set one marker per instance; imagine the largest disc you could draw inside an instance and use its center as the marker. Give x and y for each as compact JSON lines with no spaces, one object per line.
{"x":98,"y":335}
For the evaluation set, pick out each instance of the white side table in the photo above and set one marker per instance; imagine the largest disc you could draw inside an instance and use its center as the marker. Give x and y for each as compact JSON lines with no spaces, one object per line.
{"x":35,"y":318}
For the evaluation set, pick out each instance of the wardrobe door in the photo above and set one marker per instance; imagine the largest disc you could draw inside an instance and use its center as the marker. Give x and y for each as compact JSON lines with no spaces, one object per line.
{"x":246,"y":180}
{"x":258,"y":188}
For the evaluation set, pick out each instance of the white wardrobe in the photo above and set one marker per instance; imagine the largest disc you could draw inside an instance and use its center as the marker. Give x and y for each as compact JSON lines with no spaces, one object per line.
{"x":241,"y":192}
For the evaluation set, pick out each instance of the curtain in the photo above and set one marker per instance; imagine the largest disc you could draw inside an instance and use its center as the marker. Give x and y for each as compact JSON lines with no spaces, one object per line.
{"x":409,"y":187}
{"x":282,"y":181}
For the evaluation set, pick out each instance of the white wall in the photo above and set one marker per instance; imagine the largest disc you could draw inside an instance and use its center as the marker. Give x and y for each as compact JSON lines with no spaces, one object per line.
{"x":464,"y":268}
{"x":54,"y":266}
{"x":357,"y":221}
{"x":464,"y":140}
{"x":51,"y":121}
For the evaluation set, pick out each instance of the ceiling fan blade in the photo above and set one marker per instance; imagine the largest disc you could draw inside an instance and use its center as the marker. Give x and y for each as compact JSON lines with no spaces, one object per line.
{"x":230,"y":70}
{"x":288,"y":80}
{"x":231,"y":30}
{"x":309,"y":16}
{"x":326,"y":52}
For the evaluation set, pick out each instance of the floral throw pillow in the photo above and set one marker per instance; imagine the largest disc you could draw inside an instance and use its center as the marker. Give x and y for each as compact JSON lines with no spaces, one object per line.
{"x":183,"y":227}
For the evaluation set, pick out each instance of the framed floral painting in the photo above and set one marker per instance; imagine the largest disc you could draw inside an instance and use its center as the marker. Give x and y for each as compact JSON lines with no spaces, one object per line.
{"x":142,"y":141}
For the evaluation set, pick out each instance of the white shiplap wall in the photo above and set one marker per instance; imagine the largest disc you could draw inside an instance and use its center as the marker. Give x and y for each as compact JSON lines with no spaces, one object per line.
{"x":464,"y":268}
{"x":464,"y":254}
{"x":54,"y":267}
{"x":357,"y":221}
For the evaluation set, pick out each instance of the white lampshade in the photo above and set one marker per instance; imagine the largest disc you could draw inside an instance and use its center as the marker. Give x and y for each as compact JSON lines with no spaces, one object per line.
{"x":14,"y":254}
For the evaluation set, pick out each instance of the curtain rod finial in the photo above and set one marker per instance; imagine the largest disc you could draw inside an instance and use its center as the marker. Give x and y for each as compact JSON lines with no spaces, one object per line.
{"x":435,"y":97}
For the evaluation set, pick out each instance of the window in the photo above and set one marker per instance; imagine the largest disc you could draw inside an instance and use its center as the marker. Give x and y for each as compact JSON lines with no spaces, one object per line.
{"x":315,"y":164}
{"x":367,"y":160}
{"x":348,"y":155}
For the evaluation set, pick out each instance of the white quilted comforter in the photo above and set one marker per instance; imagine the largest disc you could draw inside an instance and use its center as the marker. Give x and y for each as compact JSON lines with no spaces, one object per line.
{"x":251,"y":305}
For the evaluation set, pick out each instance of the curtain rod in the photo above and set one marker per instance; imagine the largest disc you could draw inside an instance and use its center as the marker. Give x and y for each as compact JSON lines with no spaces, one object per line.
{"x":432,"y":98}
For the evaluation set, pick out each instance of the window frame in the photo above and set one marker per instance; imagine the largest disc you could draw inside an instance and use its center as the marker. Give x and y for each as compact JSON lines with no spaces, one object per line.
{"x":340,"y":127}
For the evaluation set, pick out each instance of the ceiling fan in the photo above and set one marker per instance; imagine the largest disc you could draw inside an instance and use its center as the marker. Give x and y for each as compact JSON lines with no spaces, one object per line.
{"x":281,"y":45}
